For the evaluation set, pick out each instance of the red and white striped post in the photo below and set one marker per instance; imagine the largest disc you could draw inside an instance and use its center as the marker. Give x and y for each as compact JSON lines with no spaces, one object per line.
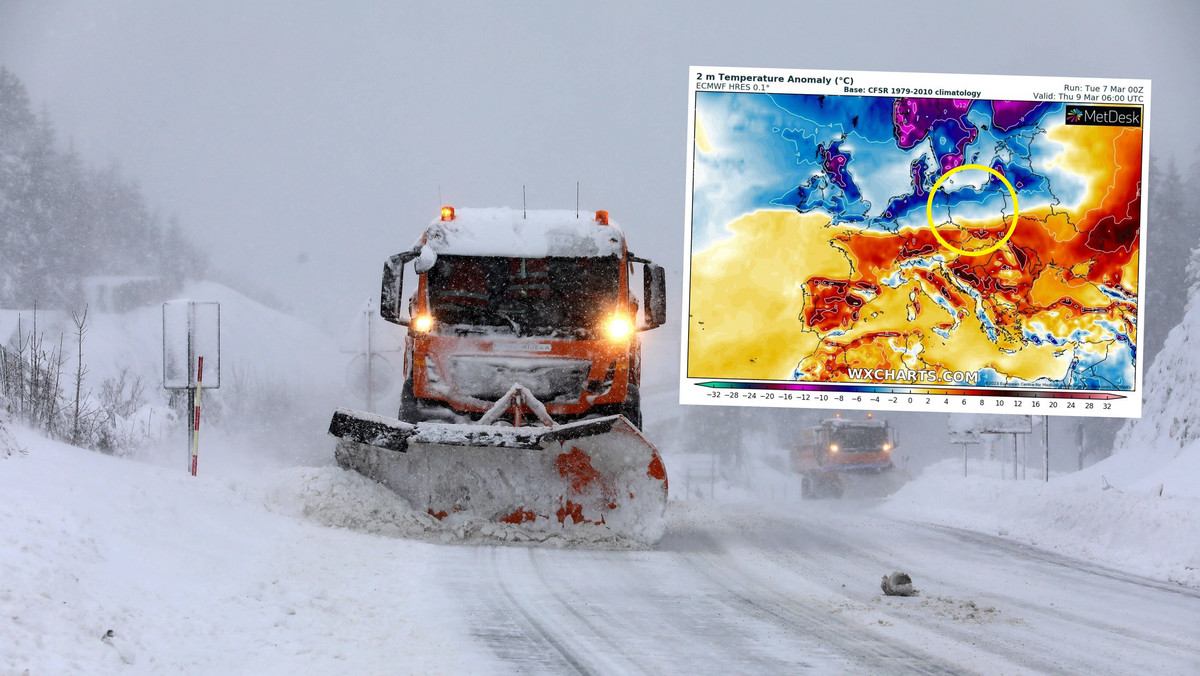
{"x":196,"y":414}
{"x":191,"y":336}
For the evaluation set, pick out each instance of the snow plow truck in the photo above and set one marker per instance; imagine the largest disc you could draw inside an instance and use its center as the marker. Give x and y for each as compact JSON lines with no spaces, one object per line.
{"x":520,"y":402}
{"x":842,"y":456}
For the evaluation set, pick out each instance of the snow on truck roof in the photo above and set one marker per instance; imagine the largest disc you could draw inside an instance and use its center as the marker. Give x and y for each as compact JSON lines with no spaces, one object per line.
{"x":529,"y":234}
{"x":849,"y":422}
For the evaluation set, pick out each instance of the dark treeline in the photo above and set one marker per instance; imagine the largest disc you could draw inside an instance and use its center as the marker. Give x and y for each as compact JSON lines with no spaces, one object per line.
{"x":1171,"y":236}
{"x":62,"y":221}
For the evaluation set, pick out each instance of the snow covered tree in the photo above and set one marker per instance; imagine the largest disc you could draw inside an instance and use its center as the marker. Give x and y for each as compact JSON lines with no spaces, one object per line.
{"x":1169,"y":235}
{"x":61,"y":222}
{"x":8,"y":445}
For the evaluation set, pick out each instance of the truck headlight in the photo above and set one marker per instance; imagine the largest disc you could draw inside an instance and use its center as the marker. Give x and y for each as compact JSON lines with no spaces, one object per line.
{"x":618,"y":327}
{"x":422,"y":323}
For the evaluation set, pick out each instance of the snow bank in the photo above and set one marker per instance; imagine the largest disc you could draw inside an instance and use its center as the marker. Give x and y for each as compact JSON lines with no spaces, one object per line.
{"x":1138,"y":531}
{"x":115,"y":566}
{"x":1162,"y":448}
{"x":253,"y":337}
{"x":269,"y":360}
{"x":334,"y":497}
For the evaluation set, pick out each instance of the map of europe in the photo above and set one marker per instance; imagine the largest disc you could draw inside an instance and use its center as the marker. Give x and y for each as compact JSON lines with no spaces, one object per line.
{"x":814,"y":255}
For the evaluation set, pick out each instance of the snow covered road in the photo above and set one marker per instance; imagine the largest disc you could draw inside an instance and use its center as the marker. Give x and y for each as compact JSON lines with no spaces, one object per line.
{"x":304,"y":570}
{"x":730,"y":590}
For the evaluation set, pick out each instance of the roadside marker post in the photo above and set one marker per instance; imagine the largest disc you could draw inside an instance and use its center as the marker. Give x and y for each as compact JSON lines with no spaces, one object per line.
{"x":196,"y":414}
{"x":191,"y":339}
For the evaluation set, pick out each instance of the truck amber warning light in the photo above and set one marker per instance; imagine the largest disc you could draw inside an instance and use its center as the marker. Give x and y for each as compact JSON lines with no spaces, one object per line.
{"x":927,"y":242}
{"x":422,"y":323}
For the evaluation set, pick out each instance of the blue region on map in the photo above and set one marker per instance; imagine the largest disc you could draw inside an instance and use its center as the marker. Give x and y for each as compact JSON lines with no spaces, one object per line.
{"x":943,"y":140}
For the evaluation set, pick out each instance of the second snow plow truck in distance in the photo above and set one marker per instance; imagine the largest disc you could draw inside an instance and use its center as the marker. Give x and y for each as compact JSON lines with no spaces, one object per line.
{"x":520,"y":400}
{"x":846,"y":456}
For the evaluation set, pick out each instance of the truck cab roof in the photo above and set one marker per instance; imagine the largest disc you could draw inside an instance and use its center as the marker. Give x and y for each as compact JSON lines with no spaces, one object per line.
{"x":847,"y":422}
{"x":524,"y":234}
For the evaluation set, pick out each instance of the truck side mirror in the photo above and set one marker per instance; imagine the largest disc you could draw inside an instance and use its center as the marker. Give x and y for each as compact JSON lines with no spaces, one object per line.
{"x":391,"y":294}
{"x":654,"y":291}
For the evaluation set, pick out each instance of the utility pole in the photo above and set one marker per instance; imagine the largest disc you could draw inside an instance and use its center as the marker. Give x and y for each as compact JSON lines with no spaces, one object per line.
{"x":1014,"y":438}
{"x":369,"y":313}
{"x":1079,"y":435}
{"x":1046,"y":448}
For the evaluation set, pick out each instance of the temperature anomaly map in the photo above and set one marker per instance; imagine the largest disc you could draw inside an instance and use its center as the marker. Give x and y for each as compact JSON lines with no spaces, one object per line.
{"x":915,"y":241}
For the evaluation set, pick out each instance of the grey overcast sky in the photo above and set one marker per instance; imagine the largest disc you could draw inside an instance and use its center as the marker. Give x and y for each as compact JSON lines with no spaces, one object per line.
{"x":304,"y":142}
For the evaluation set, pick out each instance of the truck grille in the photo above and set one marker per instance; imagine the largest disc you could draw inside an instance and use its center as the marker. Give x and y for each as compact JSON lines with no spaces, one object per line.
{"x":550,"y":380}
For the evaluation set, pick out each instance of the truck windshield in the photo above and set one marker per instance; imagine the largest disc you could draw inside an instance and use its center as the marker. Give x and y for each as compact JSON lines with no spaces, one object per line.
{"x":533,"y":296}
{"x":859,"y":439}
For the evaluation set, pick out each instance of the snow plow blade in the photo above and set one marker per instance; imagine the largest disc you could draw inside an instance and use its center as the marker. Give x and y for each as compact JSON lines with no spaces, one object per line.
{"x":871,"y":485}
{"x":599,"y":474}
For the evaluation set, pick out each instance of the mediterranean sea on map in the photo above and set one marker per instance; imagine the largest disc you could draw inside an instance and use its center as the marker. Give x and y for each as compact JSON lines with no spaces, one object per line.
{"x":813,"y":255}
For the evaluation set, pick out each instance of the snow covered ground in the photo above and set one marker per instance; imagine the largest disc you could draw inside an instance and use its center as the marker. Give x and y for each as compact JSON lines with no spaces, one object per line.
{"x":291,"y":570}
{"x":206,"y":575}
{"x":274,"y":561}
{"x":1132,"y":530}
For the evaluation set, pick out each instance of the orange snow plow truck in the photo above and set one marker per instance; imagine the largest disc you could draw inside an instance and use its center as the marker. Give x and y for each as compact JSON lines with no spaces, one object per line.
{"x":520,"y":401}
{"x":843,"y":456}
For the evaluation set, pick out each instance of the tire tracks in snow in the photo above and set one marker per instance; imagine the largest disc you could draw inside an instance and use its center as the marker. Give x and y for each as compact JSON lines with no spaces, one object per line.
{"x":871,"y":652}
{"x":575,"y":611}
{"x":790,"y":593}
{"x":1075,"y":572}
{"x":1075,"y":565}
{"x":599,"y":629}
{"x":857,"y":546}
{"x":836,"y":553}
{"x":511,"y":628}
{"x":656,"y":618}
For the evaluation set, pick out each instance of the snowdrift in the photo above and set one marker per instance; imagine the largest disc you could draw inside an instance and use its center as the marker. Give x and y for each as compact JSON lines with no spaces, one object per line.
{"x":116,"y":566}
{"x":253,"y":337}
{"x":279,"y":376}
{"x":1161,"y":450}
{"x":338,"y":498}
{"x":1139,"y":532}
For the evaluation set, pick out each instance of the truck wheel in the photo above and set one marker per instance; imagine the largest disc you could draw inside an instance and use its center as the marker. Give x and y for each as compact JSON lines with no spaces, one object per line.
{"x":832,"y":486}
{"x":632,"y":408}
{"x":806,"y":487}
{"x":408,"y":403}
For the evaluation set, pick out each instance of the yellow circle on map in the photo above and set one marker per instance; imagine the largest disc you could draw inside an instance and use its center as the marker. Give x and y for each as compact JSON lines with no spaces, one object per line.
{"x":938,"y":235}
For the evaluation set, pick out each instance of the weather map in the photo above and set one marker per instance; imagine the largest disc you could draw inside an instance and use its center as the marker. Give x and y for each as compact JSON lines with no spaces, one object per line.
{"x":865,"y":239}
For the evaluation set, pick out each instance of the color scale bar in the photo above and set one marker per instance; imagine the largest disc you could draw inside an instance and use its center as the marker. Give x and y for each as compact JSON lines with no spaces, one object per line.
{"x":894,"y":389}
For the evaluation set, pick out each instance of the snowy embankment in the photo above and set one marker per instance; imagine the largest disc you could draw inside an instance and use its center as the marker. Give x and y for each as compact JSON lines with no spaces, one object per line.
{"x":1135,"y":531}
{"x":255,"y":340}
{"x":210,"y":575}
{"x":1161,"y":450}
{"x":279,"y":377}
